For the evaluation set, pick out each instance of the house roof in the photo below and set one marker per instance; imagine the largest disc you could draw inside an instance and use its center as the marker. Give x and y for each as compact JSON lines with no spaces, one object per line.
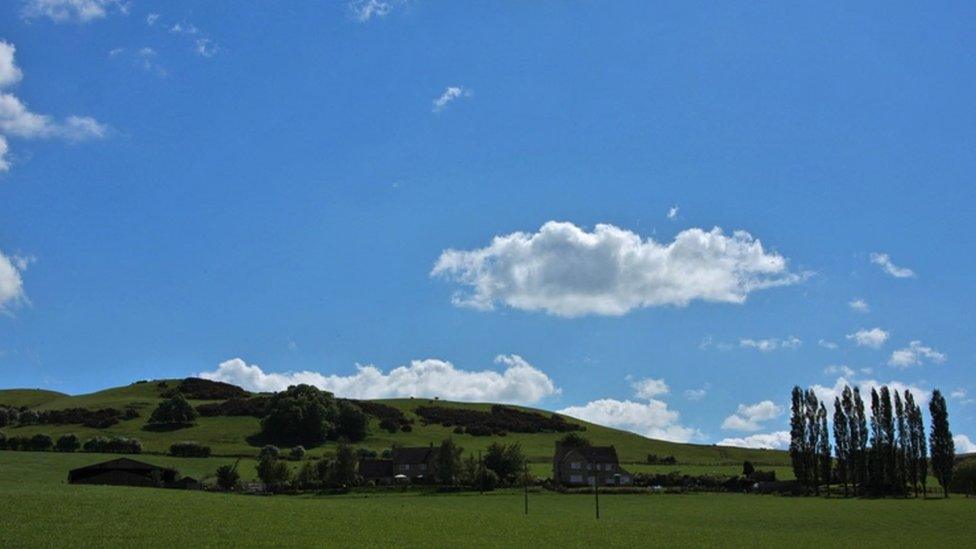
{"x":416,"y":454}
{"x":121,"y":464}
{"x":592,"y":454}
{"x":376,"y":468}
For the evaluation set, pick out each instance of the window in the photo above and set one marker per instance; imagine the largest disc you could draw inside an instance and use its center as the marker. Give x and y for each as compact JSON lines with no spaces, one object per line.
{"x":578,"y":479}
{"x":422,"y":466}
{"x":574,"y":465}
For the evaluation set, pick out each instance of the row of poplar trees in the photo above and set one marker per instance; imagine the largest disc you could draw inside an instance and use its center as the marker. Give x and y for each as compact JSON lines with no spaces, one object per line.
{"x":889,"y":458}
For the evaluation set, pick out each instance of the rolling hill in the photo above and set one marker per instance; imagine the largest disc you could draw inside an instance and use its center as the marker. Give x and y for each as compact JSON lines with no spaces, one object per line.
{"x":228,"y":435}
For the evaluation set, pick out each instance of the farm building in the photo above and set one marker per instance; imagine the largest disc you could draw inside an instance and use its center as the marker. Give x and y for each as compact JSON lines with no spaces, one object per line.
{"x":129,"y":472}
{"x":416,"y":463}
{"x":380,"y":470}
{"x":582,"y":465}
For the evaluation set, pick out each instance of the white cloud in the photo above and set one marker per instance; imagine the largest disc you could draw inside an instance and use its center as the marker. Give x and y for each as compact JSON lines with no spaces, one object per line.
{"x":827,"y":344}
{"x":750,"y":417}
{"x":835,"y":369}
{"x":778,"y":440}
{"x":874,"y":338}
{"x":652,"y":419}
{"x":364,"y":10}
{"x":566,"y":271}
{"x":16,"y":120}
{"x":915,"y":354}
{"x":75,"y":11}
{"x":10,"y":73}
{"x":859,"y":305}
{"x":673,"y":213}
{"x":894,"y":270}
{"x":184,"y":27}
{"x":451,"y":94}
{"x":518,"y":383}
{"x":649,"y":388}
{"x":206,"y":48}
{"x":964,"y":445}
{"x":769,"y":345}
{"x":697,"y":394}
{"x":144,"y":58}
{"x":827,"y":394}
{"x":152,"y":18}
{"x":11,"y":281}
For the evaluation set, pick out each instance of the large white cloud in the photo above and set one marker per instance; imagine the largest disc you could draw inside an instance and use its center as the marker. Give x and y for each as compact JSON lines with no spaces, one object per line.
{"x":915,"y":354}
{"x":778,"y":440}
{"x":964,"y":445}
{"x":874,"y":338}
{"x":884,"y":261}
{"x":652,"y":419}
{"x":750,"y":417}
{"x":518,"y":383}
{"x":567,"y":271}
{"x":77,"y":11}
{"x":11,"y":282}
{"x":828,"y":394}
{"x":17,"y":120}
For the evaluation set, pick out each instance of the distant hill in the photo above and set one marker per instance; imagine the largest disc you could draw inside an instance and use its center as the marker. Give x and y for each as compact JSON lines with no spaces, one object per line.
{"x":228,"y":435}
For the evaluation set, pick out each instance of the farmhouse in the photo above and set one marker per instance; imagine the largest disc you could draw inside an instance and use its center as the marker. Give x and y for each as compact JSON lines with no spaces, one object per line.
{"x":380,"y":470}
{"x":417,"y":463}
{"x":128,"y":472}
{"x":582,"y":465}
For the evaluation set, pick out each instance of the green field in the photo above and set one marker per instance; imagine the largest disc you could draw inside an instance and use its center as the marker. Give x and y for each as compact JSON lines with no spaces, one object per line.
{"x":227,"y":436}
{"x":38,"y":509}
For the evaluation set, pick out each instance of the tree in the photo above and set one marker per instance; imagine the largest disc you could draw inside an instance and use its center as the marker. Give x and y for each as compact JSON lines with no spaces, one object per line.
{"x":940,"y":441}
{"x":748,"y":468}
{"x":189,"y":449}
{"x":173,"y":411}
{"x":352,"y":423}
{"x":448,"y":462}
{"x":297,"y":453}
{"x":269,"y":450}
{"x":902,"y":443}
{"x":842,"y":441}
{"x":889,"y":453}
{"x":505,"y":460}
{"x":574,"y":440}
{"x":875,"y":460}
{"x":823,"y":446}
{"x":301,"y":414}
{"x":308,"y":476}
{"x":41,"y":442}
{"x":227,"y":477}
{"x":798,"y":436}
{"x":274,"y":473}
{"x":68,"y":443}
{"x":344,"y":470}
{"x":861,"y":426}
{"x":813,"y":440}
{"x":919,"y":464}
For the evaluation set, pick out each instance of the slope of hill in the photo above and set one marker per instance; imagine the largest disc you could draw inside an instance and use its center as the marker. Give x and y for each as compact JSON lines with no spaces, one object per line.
{"x":229,"y":436}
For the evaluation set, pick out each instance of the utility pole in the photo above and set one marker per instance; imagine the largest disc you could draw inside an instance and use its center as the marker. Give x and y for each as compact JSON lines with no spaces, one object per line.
{"x":596,"y":493}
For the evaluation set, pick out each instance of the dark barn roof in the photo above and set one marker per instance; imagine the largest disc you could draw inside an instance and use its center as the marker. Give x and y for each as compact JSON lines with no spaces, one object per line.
{"x":416,"y":454}
{"x":376,"y":468}
{"x":592,"y":454}
{"x":120,"y":471}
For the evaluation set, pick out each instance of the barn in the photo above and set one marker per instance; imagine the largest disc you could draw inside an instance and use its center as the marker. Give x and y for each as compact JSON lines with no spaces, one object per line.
{"x":123,"y":472}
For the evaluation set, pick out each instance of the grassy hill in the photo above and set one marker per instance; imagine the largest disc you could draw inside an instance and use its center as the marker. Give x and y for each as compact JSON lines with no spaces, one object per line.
{"x":228,"y":436}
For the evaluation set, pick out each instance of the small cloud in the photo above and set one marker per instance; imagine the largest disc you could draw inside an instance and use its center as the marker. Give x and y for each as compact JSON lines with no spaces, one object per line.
{"x":11,"y":280}
{"x":649,"y":388}
{"x":72,"y":11}
{"x":184,"y":27}
{"x":887,"y":266}
{"x":364,"y":10}
{"x":206,"y":48}
{"x":769,"y":345}
{"x":697,"y":394}
{"x":859,"y":305}
{"x":779,"y":440}
{"x":152,"y":18}
{"x":750,"y":417}
{"x":451,"y":94}
{"x":915,"y":354}
{"x":874,"y":338}
{"x":842,"y":370}
{"x":673,"y":213}
{"x":827,"y":344}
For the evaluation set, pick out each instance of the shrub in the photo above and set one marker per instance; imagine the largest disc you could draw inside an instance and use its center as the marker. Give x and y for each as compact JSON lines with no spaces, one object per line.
{"x":270,"y":450}
{"x":500,"y":420}
{"x":189,"y":449}
{"x":344,"y":470}
{"x":506,"y":460}
{"x":68,"y":443}
{"x":173,"y":411}
{"x":3,"y":441}
{"x":27,"y":417}
{"x":748,"y":468}
{"x":574,"y":440}
{"x":308,"y":477}
{"x":41,"y":442}
{"x":113,"y":445}
{"x":8,"y":416}
{"x":274,"y":473}
{"x":227,"y":477}
{"x":964,"y":477}
{"x":391,"y":419}
{"x":297,"y":453}
{"x":655,"y":459}
{"x":365,"y":453}
{"x":206,"y":389}
{"x":302,"y":414}
{"x":351,"y":423}
{"x":486,"y":480}
{"x":254,"y":406}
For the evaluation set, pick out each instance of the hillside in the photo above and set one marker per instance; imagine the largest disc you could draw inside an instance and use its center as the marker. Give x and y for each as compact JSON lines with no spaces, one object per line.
{"x":228,"y":435}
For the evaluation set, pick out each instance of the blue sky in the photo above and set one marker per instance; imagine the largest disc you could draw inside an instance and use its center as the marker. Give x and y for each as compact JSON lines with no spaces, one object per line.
{"x":495,"y":201}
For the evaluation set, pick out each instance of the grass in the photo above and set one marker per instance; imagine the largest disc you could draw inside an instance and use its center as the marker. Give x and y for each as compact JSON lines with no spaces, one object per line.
{"x":37,"y":509}
{"x":227,"y":436}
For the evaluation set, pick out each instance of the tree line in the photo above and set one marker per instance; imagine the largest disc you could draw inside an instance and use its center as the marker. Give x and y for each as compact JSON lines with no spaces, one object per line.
{"x":878,"y":454}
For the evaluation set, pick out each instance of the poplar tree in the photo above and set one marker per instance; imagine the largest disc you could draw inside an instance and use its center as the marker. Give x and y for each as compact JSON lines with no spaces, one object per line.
{"x":888,"y":454}
{"x":875,"y":463}
{"x":823,"y":446}
{"x":798,"y":438}
{"x":915,"y":454}
{"x":813,"y":439}
{"x":861,"y":426}
{"x":901,"y":451}
{"x":940,"y":442}
{"x":842,"y":439}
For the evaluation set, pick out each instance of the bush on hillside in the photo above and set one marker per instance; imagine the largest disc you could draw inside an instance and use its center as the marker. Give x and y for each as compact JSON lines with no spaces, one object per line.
{"x":196,"y":388}
{"x":302,"y":414}
{"x":498,"y":421}
{"x":574,"y":440}
{"x":41,"y":442}
{"x":269,"y":450}
{"x":189,"y":449}
{"x":96,"y":419}
{"x":274,"y":473}
{"x":227,"y":477}
{"x":654,"y":459}
{"x":28,"y":417}
{"x":297,"y":453}
{"x":3,"y":441}
{"x":8,"y":416}
{"x":964,"y":477}
{"x":253,"y":406}
{"x":173,"y":411}
{"x":68,"y":443}
{"x":113,"y":445}
{"x":391,"y":419}
{"x":351,"y":423}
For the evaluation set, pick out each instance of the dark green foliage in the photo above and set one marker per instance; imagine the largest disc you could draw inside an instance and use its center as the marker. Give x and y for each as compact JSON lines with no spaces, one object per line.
{"x":3,"y":441}
{"x":269,"y":450}
{"x":842,"y":441}
{"x":227,"y":477}
{"x":113,"y":445}
{"x":274,"y":473}
{"x":500,"y":420}
{"x":28,"y":417}
{"x":824,"y":461}
{"x":748,"y":468}
{"x":8,"y":416}
{"x":254,"y":406}
{"x":68,"y":443}
{"x":308,"y":477}
{"x":506,"y":460}
{"x":173,"y":411}
{"x":576,"y":440}
{"x":901,"y":442}
{"x":448,"y":462}
{"x":799,"y":445}
{"x":189,"y":449}
{"x":654,"y":459}
{"x":205,"y":389}
{"x":297,"y":453}
{"x":391,"y":419}
{"x":302,"y":414}
{"x":964,"y":478}
{"x":41,"y":442}
{"x":352,"y":424}
{"x":940,"y":442}
{"x":344,"y":469}
{"x":918,"y":466}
